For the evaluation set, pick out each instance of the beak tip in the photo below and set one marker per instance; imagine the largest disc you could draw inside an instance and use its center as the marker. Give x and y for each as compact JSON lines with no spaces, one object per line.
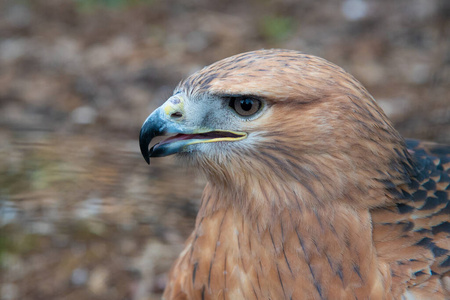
{"x":154,"y":125}
{"x":145,"y":154}
{"x":143,"y":145}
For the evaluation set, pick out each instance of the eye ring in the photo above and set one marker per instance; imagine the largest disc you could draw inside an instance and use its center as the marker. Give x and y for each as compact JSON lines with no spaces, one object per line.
{"x":245,"y":106}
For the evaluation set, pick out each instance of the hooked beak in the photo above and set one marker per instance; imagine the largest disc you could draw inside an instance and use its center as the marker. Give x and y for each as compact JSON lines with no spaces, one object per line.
{"x":169,"y":119}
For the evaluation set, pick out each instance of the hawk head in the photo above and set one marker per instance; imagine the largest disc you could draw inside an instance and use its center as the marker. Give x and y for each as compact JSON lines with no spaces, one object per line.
{"x":279,"y":118}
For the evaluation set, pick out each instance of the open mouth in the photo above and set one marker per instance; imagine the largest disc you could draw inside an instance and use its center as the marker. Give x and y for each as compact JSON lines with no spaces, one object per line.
{"x":195,"y":138}
{"x":212,"y":135}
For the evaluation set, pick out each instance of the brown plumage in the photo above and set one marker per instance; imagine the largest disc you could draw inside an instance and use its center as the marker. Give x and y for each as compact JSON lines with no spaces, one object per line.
{"x":313,"y":196}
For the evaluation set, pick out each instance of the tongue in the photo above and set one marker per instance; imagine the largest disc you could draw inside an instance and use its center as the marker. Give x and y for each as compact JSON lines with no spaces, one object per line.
{"x":178,"y":137}
{"x":198,"y":136}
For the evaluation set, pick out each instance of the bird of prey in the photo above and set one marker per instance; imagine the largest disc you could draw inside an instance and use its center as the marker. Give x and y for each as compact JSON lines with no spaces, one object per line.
{"x":311,"y":193}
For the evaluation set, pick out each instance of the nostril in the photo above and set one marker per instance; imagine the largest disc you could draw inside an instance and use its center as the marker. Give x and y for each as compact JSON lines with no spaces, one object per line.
{"x":176,"y":115}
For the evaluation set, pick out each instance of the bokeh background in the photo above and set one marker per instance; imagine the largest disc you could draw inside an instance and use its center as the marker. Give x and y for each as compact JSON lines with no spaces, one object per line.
{"x":82,"y":216}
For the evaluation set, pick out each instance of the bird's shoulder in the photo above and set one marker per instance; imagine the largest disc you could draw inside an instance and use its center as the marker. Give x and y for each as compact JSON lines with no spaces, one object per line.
{"x":427,"y":193}
{"x":413,"y":234}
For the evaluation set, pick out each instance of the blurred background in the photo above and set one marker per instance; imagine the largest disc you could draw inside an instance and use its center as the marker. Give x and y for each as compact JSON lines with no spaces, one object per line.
{"x":82,"y":216}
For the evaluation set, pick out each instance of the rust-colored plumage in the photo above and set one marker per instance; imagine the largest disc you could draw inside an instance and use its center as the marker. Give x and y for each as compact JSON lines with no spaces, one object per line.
{"x":314,"y":196}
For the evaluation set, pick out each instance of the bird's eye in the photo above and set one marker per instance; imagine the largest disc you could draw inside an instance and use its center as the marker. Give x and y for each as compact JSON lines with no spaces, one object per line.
{"x":245,"y":106}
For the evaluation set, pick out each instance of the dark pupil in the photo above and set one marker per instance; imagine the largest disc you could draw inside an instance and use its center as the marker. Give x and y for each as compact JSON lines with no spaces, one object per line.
{"x":246,"y":104}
